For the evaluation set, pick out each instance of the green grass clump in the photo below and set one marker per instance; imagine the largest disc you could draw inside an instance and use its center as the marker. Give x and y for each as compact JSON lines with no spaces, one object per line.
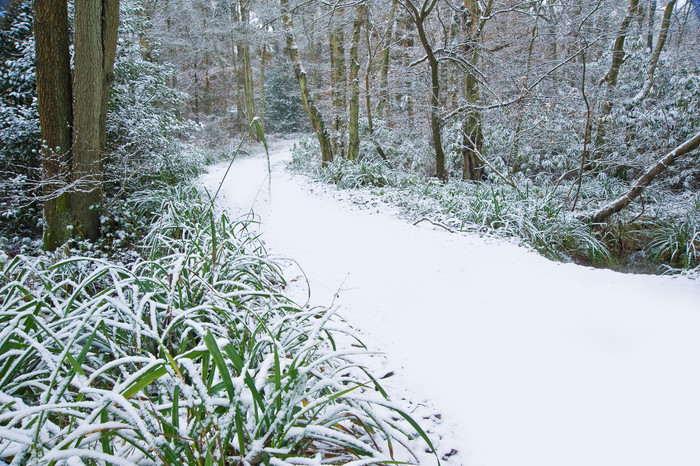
{"x":529,"y":214}
{"x":676,"y":242}
{"x":193,"y":356}
{"x":369,"y":171}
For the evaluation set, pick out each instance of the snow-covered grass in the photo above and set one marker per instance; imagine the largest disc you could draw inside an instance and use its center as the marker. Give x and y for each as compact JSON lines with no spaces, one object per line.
{"x":530,"y":215}
{"x":537,"y":213}
{"x":193,"y":356}
{"x":533,"y":214}
{"x":676,"y":241}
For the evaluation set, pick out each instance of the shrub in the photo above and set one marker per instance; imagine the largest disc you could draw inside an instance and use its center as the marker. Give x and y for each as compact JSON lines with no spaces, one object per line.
{"x":535,"y":215}
{"x":20,"y":214}
{"x":676,"y":242}
{"x":532,"y":215}
{"x":368,"y":171}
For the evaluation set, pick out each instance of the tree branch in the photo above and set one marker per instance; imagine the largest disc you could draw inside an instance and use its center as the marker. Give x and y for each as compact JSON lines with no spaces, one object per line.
{"x":623,"y":201}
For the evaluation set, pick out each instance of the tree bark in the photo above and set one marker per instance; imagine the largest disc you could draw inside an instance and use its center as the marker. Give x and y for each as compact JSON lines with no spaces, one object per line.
{"x":95,"y":48}
{"x":610,"y":79}
{"x":307,"y":99}
{"x":472,"y":134}
{"x":623,"y":201}
{"x":354,"y":125}
{"x":54,"y":90}
{"x":386,"y":60}
{"x":248,"y":87}
{"x":110,"y":31}
{"x":339,"y":87}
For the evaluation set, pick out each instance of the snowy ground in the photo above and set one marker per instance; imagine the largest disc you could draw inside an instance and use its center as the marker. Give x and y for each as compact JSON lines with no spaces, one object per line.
{"x":517,"y":360}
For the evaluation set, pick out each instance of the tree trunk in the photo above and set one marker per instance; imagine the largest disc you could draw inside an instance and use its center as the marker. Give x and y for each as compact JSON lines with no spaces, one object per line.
{"x":110,"y":31}
{"x":307,"y":99}
{"x":82,"y":104}
{"x":472,"y":135}
{"x":650,"y":32}
{"x":418,"y":18}
{"x":386,"y":57}
{"x":87,"y":134}
{"x":237,"y":70}
{"x":610,"y":79}
{"x":339,"y":87}
{"x":368,"y":86}
{"x":248,"y":87}
{"x":54,"y":91}
{"x":435,"y":123}
{"x":354,"y":127}
{"x":407,"y":43}
{"x":623,"y":201}
{"x":263,"y":64}
{"x":663,"y":34}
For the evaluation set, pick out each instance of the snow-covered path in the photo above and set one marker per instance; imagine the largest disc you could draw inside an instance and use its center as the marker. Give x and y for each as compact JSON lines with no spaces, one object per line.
{"x":528,"y":362}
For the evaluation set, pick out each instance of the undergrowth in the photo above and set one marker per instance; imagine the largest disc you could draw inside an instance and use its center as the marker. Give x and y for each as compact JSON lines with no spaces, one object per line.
{"x":531,"y":213}
{"x":676,"y":239}
{"x":192,"y":356}
{"x":660,"y":233}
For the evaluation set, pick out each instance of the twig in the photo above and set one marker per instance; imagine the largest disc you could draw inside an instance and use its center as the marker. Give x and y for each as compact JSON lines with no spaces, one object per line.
{"x":336,"y":295}
{"x":437,"y":224}
{"x":641,"y":213}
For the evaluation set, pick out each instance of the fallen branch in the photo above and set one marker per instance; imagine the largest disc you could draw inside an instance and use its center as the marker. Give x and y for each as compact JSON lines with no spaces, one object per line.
{"x":623,"y":201}
{"x":437,"y":224}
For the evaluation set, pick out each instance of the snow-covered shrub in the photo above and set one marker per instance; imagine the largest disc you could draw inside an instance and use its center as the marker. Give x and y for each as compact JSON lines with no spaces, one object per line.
{"x":19,"y":116}
{"x":19,"y":127}
{"x":192,"y":357}
{"x":675,"y":238}
{"x":306,"y":155}
{"x":143,"y":124}
{"x":531,"y":214}
{"x":284,"y":112}
{"x":367,"y":171}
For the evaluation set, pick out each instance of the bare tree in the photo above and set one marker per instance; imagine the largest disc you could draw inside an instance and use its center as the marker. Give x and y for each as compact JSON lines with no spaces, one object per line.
{"x":307,"y":99}
{"x":419,"y":14}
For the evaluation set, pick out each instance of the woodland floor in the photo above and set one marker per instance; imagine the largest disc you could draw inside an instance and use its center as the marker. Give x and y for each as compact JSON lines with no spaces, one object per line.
{"x":508,"y":358}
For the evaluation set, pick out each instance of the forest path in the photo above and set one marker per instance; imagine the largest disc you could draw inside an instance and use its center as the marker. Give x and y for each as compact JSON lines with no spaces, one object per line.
{"x":528,"y":362}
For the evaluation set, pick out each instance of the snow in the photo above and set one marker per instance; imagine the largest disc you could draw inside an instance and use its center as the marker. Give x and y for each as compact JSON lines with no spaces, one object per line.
{"x":515,"y":359}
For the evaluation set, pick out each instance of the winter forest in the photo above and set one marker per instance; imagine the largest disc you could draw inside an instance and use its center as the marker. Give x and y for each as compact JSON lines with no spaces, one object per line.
{"x":461,"y":232}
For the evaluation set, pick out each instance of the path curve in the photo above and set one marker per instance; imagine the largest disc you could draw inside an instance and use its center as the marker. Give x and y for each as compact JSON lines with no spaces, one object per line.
{"x":525,"y":361}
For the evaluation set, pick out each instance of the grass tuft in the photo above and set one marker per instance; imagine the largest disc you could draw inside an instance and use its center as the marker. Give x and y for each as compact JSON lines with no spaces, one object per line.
{"x":192,"y":356}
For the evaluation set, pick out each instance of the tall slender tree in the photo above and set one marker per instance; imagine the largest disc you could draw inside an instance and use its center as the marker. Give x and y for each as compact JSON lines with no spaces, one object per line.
{"x":385,"y":63}
{"x":248,"y":87}
{"x":472,"y":134}
{"x":307,"y":99}
{"x":339,"y":84}
{"x":419,"y":14}
{"x":354,"y":125}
